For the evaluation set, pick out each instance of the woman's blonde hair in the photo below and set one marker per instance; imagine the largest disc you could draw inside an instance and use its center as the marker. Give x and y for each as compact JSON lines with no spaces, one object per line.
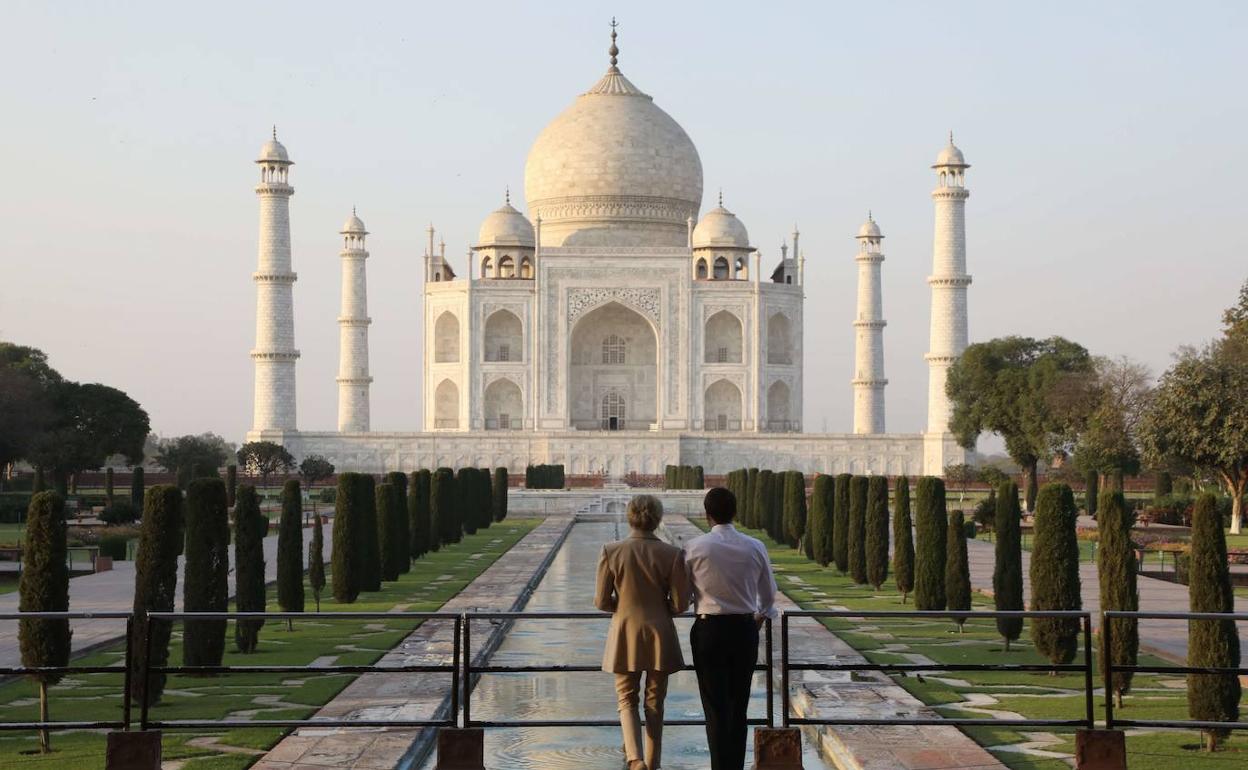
{"x":645,"y":512}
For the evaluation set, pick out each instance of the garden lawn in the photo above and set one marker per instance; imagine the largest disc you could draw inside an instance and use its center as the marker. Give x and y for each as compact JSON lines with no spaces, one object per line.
{"x":1034,"y":695}
{"x":433,"y":580}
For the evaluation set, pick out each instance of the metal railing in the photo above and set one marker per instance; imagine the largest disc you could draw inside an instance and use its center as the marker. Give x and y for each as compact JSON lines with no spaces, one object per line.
{"x":146,"y":722}
{"x":473,"y":672}
{"x":1110,"y":669}
{"x":787,"y":666}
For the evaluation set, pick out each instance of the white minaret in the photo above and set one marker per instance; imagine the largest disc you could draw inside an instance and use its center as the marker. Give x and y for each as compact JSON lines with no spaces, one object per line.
{"x":948,"y":281}
{"x":353,"y":322}
{"x":274,"y":354}
{"x":869,"y":326}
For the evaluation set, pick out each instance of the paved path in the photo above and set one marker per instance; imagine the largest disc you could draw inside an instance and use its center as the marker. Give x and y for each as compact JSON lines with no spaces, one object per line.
{"x":1166,"y":638}
{"x":113,"y":591}
{"x":504,"y":586}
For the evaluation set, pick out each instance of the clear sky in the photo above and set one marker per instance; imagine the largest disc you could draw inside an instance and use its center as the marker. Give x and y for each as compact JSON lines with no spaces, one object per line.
{"x":1108,"y":144}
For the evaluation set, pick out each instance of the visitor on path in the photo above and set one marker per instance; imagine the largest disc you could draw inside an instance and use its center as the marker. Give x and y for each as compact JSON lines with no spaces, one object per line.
{"x":734,"y":592}
{"x":642,"y":581}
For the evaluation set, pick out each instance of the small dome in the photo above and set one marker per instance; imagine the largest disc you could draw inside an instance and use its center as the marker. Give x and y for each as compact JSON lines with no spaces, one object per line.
{"x":273,"y":151}
{"x":506,"y":227}
{"x":869,"y":229}
{"x":720,"y":227}
{"x":951,"y":156}
{"x":353,"y":225}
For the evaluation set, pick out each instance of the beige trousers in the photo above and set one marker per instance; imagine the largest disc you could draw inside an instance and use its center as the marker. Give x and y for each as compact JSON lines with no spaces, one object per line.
{"x":628,"y":691}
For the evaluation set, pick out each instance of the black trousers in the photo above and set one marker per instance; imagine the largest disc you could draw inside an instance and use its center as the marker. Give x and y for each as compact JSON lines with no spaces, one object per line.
{"x":725,"y":651}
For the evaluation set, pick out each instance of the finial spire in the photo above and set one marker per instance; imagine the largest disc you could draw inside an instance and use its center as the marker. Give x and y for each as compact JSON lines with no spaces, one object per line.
{"x":507,"y":194}
{"x":275,"y":132}
{"x":951,"y":136}
{"x":614,"y":50}
{"x":721,"y":197}
{"x":869,"y":217}
{"x":353,"y":209}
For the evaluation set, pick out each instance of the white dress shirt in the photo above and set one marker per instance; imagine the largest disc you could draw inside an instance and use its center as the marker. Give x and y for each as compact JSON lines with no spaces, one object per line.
{"x":731,"y":574}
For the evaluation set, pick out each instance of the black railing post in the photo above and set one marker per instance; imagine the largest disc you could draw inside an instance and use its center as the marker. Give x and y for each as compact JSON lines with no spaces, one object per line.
{"x":1107,"y":642}
{"x":467,"y":671}
{"x":784,"y":670}
{"x":146,"y":673}
{"x":1089,"y":706}
{"x":125,"y":681}
{"x":457,"y":622}
{"x":771,"y":683}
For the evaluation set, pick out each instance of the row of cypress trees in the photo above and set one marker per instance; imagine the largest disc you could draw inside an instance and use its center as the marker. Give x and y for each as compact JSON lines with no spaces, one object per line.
{"x":544,"y":477}
{"x":683,"y":477}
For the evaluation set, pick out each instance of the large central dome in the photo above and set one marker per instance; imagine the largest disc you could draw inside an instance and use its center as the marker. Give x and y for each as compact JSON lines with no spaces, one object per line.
{"x":613,"y":170}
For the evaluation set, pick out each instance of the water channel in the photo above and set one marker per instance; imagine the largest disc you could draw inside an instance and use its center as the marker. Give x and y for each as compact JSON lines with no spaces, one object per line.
{"x":569,"y":585}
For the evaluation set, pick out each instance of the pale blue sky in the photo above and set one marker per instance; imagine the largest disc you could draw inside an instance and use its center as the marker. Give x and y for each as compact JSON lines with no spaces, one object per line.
{"x":1108,"y":142}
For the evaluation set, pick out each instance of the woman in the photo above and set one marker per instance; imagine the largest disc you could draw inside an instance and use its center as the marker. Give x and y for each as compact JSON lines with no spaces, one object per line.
{"x":643,"y":583}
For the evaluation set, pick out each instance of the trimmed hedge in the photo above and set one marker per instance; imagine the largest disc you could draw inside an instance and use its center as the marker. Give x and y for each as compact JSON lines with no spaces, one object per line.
{"x":1007,"y":570}
{"x":155,"y":585}
{"x":857,"y":536}
{"x":877,"y":531}
{"x":205,"y":585}
{"x":931,"y":529}
{"x":250,"y":527}
{"x":348,"y":526}
{"x":957,"y":571}
{"x":289,"y":548}
{"x":903,"y":538}
{"x":544,"y":477}
{"x":1055,"y":575}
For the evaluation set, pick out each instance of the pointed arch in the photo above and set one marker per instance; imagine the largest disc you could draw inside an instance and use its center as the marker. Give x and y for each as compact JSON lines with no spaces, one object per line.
{"x":723,"y":340}
{"x":779,"y":339}
{"x":446,"y":339}
{"x":446,"y":406}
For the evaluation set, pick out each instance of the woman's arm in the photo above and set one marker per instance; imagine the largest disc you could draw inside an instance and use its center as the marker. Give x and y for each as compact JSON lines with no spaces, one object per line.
{"x":678,"y":600}
{"x":605,"y":598}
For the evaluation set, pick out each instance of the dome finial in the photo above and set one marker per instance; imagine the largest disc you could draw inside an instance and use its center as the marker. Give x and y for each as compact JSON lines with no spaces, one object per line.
{"x":869,"y":217}
{"x":352,"y":209}
{"x":507,"y":194}
{"x":613,"y":50}
{"x":721,"y":197}
{"x":951,"y":136}
{"x":275,"y":132}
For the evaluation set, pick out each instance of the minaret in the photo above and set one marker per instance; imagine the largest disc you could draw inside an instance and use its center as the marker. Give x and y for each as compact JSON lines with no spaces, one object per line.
{"x":274,"y":354}
{"x":948,"y":281}
{"x":869,"y":326}
{"x":353,"y":322}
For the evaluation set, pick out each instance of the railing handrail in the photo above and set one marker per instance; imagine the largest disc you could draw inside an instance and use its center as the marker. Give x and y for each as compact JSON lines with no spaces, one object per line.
{"x":300,"y":615}
{"x":937,"y":613}
{"x":66,"y":615}
{"x":1175,"y":615}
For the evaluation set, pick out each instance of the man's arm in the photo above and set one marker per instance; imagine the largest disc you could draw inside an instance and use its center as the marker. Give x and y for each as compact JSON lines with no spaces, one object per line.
{"x":604,"y":595}
{"x":766,"y":588}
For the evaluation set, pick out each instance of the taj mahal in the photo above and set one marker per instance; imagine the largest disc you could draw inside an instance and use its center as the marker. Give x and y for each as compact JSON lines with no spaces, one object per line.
{"x":613,"y":328}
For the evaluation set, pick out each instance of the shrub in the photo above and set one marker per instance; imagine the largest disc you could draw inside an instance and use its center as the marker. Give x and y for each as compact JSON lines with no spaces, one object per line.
{"x":465,"y":499}
{"x":44,"y":587}
{"x":877,"y":531}
{"x":1055,"y":575}
{"x":231,"y":484}
{"x":289,"y":548}
{"x":498,"y":495}
{"x":1211,"y":643}
{"x":985,"y":514}
{"x":205,"y":584}
{"x":348,"y":531}
{"x":136,"y":491}
{"x":903,"y":539}
{"x":761,"y":505}
{"x":550,"y":477}
{"x":776,"y":522}
{"x":1007,"y":570}
{"x":794,"y":508}
{"x":957,"y":571}
{"x":840,"y":523}
{"x":423,"y":538}
{"x":820,"y":519}
{"x":1116,"y":570}
{"x":316,"y":561}
{"x":155,"y":585}
{"x":746,"y":504}
{"x":1163,"y":484}
{"x":931,"y":524}
{"x":391,"y":514}
{"x":485,"y":501}
{"x":403,"y":546}
{"x":120,"y":512}
{"x":857,"y":544}
{"x":327,"y":495}
{"x":114,"y":546}
{"x":442,"y":507}
{"x":250,"y":527}
{"x":368,"y":541}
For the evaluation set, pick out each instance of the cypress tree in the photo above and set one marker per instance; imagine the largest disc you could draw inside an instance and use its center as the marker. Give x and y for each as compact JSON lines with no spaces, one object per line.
{"x":761,"y":505}
{"x":1055,"y":575}
{"x":369,"y":539}
{"x":498,"y":496}
{"x":1211,"y":643}
{"x":136,"y":492}
{"x":957,"y":571}
{"x":250,"y":527}
{"x":1116,"y":570}
{"x":231,"y":484}
{"x":388,"y":531}
{"x":840,"y":523}
{"x":794,"y":508}
{"x":857,"y":543}
{"x":699,"y":477}
{"x":931,"y":525}
{"x":348,"y":531}
{"x":486,"y":484}
{"x":746,"y":503}
{"x":424,"y":539}
{"x":205,"y":582}
{"x":44,"y":587}
{"x":776,"y":522}
{"x":442,"y":507}
{"x":289,"y":548}
{"x":108,"y":485}
{"x":39,"y":483}
{"x":1007,"y":569}
{"x":465,"y":494}
{"x":1163,"y":484}
{"x":820,"y":520}
{"x":403,"y":548}
{"x":877,"y":531}
{"x":155,"y":585}
{"x":669,"y":476}
{"x":1092,"y":492}
{"x":903,"y":539}
{"x":316,"y":561}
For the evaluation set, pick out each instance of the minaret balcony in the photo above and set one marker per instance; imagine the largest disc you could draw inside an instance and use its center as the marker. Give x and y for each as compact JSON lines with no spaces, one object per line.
{"x":274,"y":277}
{"x":956,"y":281}
{"x":275,"y":355}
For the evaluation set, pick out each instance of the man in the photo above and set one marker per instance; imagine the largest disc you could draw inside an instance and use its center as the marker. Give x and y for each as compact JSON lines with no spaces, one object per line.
{"x":733,"y":593}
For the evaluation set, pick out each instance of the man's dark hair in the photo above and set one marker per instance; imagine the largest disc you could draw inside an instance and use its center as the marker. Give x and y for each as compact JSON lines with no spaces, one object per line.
{"x":721,"y":505}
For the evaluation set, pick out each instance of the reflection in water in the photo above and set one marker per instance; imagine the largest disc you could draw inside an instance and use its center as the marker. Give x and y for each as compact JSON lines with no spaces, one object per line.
{"x":569,"y":585}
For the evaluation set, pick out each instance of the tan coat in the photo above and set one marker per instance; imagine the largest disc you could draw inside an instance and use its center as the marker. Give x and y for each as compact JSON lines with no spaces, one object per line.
{"x":643,"y":582}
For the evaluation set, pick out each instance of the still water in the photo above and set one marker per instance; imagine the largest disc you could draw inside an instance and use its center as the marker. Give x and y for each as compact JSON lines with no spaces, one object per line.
{"x":569,"y":585}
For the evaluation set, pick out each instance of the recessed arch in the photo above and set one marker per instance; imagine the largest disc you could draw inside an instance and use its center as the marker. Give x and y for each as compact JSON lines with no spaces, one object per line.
{"x":779,"y":339}
{"x":700,"y":271}
{"x":779,"y":407}
{"x":723,"y":339}
{"x":721,"y":406}
{"x":504,"y":405}
{"x":504,"y":337}
{"x":721,"y":269}
{"x":506,"y":267}
{"x":487,"y":267}
{"x":446,"y":406}
{"x":446,"y":339}
{"x":613,"y":349}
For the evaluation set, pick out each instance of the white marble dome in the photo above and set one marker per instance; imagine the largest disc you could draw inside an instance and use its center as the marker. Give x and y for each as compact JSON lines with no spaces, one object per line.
{"x":505,"y":227}
{"x":869,"y":229}
{"x":353,"y":226}
{"x":273,"y":151}
{"x":720,"y":228}
{"x":950,"y":156}
{"x":613,"y":170}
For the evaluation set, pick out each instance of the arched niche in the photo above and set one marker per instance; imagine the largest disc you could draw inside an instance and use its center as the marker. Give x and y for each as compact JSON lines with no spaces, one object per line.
{"x":613,"y":349}
{"x":779,"y":339}
{"x":446,"y":339}
{"x":504,"y":337}
{"x":721,"y":406}
{"x":724,"y":339}
{"x":504,"y":405}
{"x":446,"y":406}
{"x":779,"y":406}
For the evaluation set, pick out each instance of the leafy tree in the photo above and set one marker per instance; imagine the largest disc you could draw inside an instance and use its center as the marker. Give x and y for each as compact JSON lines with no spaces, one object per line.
{"x":877,"y":531}
{"x":38,"y":483}
{"x":403,"y":543}
{"x":155,"y":585}
{"x":250,"y":527}
{"x":313,"y":470}
{"x":1116,"y":570}
{"x":840,"y":522}
{"x":1211,"y":643}
{"x":499,"y":495}
{"x":348,"y":532}
{"x":761,"y":507}
{"x":931,"y":522}
{"x":1007,"y":570}
{"x":1055,"y":575}
{"x":316,"y":561}
{"x":960,"y":476}
{"x":25,"y":406}
{"x":137,"y":490}
{"x":207,"y":450}
{"x":442,"y":508}
{"x":992,"y":476}
{"x":857,"y":545}
{"x":1109,"y":442}
{"x":957,"y":571}
{"x":903,"y":538}
{"x":424,"y":539}
{"x":391,"y":511}
{"x":1034,"y":393}
{"x":289,"y":549}
{"x":1092,"y":491}
{"x":231,"y":485}
{"x":89,"y":424}
{"x":264,"y":458}
{"x":1163,"y":485}
{"x":1199,"y":415}
{"x":794,"y":509}
{"x":205,"y":586}
{"x":368,"y":541}
{"x":820,"y":520}
{"x":44,"y":587}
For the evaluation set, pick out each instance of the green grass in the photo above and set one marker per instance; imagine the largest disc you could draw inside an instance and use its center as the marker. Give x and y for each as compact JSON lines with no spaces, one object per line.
{"x":1035,"y":695}
{"x":98,"y":696}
